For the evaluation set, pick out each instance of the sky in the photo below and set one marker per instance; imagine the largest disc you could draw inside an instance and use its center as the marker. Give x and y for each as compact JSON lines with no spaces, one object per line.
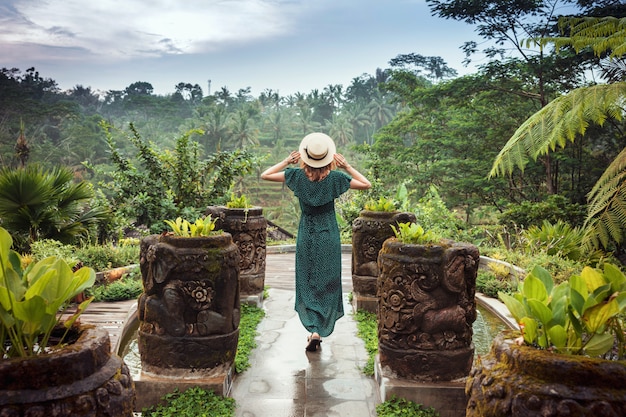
{"x":286,"y":46}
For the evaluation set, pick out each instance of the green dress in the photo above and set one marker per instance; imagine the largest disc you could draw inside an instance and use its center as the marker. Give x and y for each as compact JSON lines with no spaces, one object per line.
{"x":318,"y":249}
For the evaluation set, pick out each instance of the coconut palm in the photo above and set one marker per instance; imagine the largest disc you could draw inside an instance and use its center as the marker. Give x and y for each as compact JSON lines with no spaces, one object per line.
{"x":568,"y":116}
{"x":38,"y":204}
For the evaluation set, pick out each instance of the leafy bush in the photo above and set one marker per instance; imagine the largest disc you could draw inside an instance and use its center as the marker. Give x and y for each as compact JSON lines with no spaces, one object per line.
{"x":98,"y":257}
{"x":129,"y":287}
{"x":195,"y":402}
{"x":559,"y":239}
{"x":490,"y":285}
{"x":402,"y":407}
{"x":552,"y":209}
{"x":251,"y":316}
{"x":580,"y":316}
{"x":367,"y":329}
{"x":413,"y":233}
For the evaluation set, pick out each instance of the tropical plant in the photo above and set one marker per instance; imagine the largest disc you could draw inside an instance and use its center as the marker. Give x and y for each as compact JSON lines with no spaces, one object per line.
{"x":568,"y":117}
{"x":559,"y":239}
{"x":238,"y":202}
{"x":45,"y":204}
{"x":413,"y":233}
{"x":33,"y":300}
{"x":581,"y":316}
{"x":382,"y":204}
{"x":201,"y":227}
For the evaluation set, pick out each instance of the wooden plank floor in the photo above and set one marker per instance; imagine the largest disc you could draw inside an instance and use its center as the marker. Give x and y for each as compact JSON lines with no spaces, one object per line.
{"x":110,"y":316}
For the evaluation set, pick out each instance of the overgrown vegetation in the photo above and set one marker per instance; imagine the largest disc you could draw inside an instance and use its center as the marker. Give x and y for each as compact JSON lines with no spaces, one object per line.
{"x":397,"y":406}
{"x":129,"y":287}
{"x":251,"y":316}
{"x":367,"y":329}
{"x":194,"y":402}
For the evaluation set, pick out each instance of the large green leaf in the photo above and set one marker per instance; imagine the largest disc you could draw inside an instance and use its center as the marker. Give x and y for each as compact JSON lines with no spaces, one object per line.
{"x":534,"y":288}
{"x":541,"y":312}
{"x":516,"y":308}
{"x":558,"y":337}
{"x":616,"y":277}
{"x":596,"y":318}
{"x":31,"y":313}
{"x":530,"y":328}
{"x":599,"y":344}
{"x":593,"y":278}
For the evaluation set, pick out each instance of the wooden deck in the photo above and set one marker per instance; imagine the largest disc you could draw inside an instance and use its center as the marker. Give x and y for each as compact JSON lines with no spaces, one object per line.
{"x":110,"y":316}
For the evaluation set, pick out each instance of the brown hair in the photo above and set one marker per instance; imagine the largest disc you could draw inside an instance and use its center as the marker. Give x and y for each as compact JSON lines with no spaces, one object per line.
{"x":317,"y":174}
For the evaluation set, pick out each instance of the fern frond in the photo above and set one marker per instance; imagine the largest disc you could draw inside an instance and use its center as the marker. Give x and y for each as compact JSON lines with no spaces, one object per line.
{"x":560,"y":121}
{"x":601,"y":34}
{"x":606,"y":215}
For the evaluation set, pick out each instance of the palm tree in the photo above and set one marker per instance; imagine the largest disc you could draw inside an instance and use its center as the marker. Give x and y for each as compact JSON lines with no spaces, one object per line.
{"x":37,"y":204}
{"x":568,"y":116}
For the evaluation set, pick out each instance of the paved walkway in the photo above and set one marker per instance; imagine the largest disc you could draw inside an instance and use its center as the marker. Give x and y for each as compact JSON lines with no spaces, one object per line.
{"x":285,"y":380}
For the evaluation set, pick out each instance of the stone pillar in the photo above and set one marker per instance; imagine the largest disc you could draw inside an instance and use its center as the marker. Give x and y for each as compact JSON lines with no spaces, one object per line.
{"x":369,"y":231}
{"x":426,"y":310}
{"x":248,"y":228}
{"x":189,"y":312}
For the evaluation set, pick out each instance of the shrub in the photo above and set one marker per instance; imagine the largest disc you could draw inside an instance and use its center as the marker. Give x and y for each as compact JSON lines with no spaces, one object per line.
{"x":490,"y":285}
{"x":552,"y":209}
{"x":129,"y":287}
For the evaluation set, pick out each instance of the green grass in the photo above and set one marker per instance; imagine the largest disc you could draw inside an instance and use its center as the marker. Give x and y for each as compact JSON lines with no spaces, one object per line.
{"x":251,"y":316}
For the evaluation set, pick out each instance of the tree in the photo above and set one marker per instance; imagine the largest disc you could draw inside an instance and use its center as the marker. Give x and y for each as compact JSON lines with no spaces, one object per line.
{"x":506,"y":23}
{"x":568,"y":117}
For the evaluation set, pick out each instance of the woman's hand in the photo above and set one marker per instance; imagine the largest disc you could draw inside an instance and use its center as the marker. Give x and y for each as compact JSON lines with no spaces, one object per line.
{"x":341,"y":161}
{"x":293,"y":158}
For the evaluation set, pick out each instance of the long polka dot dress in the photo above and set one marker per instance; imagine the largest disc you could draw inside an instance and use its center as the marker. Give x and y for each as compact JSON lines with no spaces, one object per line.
{"x":318,"y":249}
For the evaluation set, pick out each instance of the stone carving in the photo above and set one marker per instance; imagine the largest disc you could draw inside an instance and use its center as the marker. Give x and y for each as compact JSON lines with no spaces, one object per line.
{"x":248,"y":228}
{"x":522,"y":381}
{"x":85,"y":379}
{"x":189,"y":312}
{"x":369,"y":231}
{"x":426,"y":308}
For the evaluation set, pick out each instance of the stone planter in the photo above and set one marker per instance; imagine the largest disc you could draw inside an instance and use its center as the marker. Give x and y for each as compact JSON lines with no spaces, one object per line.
{"x":248,"y":228}
{"x":82,"y":379}
{"x":426,"y":310}
{"x":189,"y":312}
{"x":521,"y":381}
{"x":369,"y":231}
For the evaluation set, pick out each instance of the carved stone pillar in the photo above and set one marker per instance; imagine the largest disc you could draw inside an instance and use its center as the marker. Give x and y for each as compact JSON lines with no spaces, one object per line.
{"x":248,"y":228}
{"x":189,"y":312}
{"x":369,"y":231}
{"x":426,"y":310}
{"x":521,"y":381}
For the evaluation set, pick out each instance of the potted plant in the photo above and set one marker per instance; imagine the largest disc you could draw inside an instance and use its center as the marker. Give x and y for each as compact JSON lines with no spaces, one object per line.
{"x":50,"y":364}
{"x":369,"y":231}
{"x":189,"y":311}
{"x":426,"y":305}
{"x":567,"y":357}
{"x":248,"y":227}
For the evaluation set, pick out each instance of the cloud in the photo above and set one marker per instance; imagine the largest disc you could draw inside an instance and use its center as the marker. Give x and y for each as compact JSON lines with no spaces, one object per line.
{"x":142,"y":29}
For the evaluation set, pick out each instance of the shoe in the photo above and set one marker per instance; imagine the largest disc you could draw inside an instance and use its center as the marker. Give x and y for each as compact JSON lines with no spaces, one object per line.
{"x":313,"y":342}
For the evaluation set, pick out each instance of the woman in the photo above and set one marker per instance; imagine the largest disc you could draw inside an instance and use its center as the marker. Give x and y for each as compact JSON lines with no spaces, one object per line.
{"x":318,"y":248}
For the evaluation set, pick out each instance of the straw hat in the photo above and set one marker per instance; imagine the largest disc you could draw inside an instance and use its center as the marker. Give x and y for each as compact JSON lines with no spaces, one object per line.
{"x":317,"y":150}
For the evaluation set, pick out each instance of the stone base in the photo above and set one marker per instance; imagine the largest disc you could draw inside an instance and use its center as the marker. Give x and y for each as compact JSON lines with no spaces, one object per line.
{"x":448,"y":397}
{"x":255,"y":300}
{"x":364,"y":302}
{"x":150,"y":389}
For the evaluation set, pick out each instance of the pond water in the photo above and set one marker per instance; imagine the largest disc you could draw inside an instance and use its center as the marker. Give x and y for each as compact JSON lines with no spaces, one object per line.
{"x":486,"y":327}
